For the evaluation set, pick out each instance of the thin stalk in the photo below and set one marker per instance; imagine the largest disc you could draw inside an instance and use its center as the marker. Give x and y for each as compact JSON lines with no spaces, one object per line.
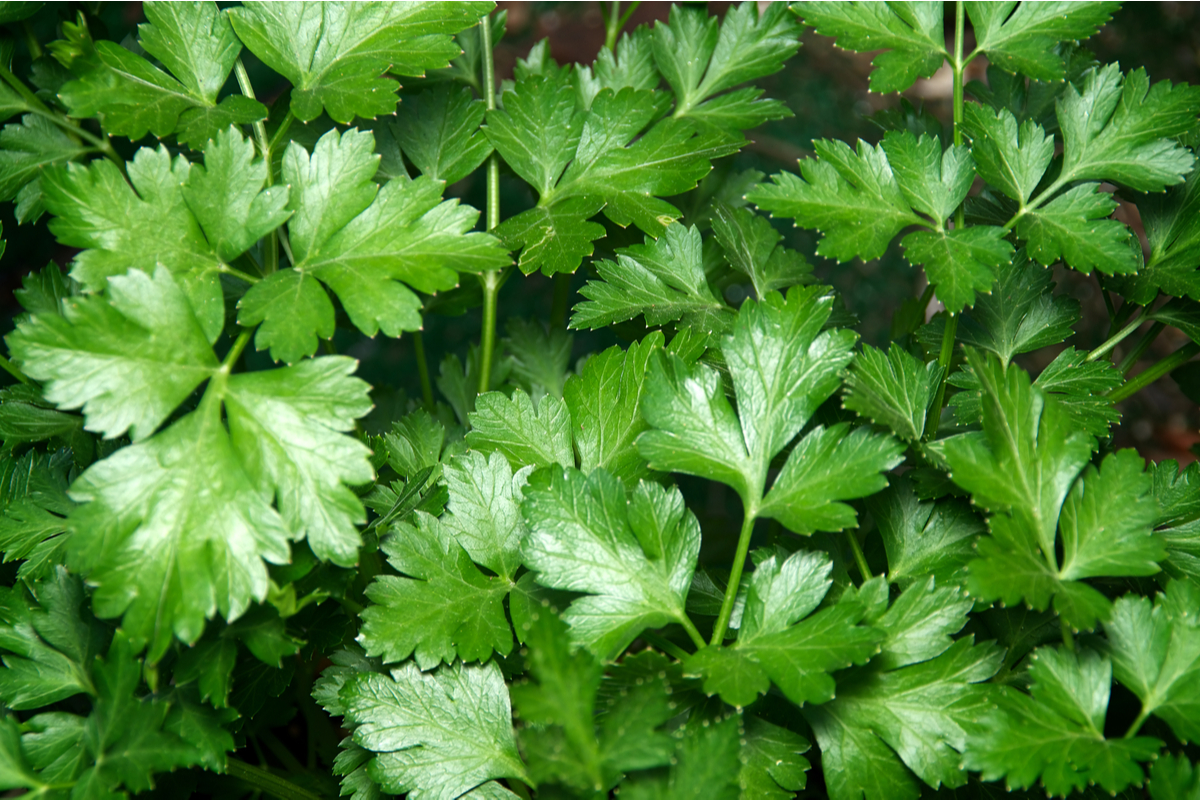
{"x":271,"y":240}
{"x":518,"y":788}
{"x":1137,"y":723}
{"x":1141,"y":347}
{"x":735,"y":578}
{"x":284,"y":126}
{"x":692,"y":633}
{"x":1117,"y":337}
{"x":35,"y":47}
{"x":13,"y":370}
{"x":237,"y":273}
{"x":491,"y":280}
{"x":1144,"y":379}
{"x":959,"y":66}
{"x":1068,"y":636}
{"x":239,"y":345}
{"x":666,"y":645}
{"x":859,"y":557}
{"x":612,"y":25}
{"x":1108,"y":304}
{"x":423,"y":371}
{"x":561,"y":305}
{"x":38,"y":107}
{"x":267,"y":782}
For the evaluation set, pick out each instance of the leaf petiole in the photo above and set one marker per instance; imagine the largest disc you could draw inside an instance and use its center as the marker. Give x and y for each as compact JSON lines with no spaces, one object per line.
{"x":1149,"y":376}
{"x":1117,"y":337}
{"x":860,"y":558}
{"x":491,"y":280}
{"x":13,"y":370}
{"x":1141,"y":347}
{"x":666,"y":645}
{"x":735,"y":578}
{"x":267,"y":782}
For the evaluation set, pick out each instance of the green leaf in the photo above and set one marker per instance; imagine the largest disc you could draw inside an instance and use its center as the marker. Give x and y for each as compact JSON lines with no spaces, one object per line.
{"x":910,"y":32}
{"x":525,"y":434}
{"x":1155,"y":652}
{"x":915,"y":715}
{"x":288,"y":427}
{"x":485,"y":517}
{"x":630,"y":64}
{"x":663,"y":280}
{"x":776,"y":643}
{"x":33,"y":494}
{"x":15,"y":772}
{"x":193,"y":40}
{"x":1057,"y":732}
{"x":49,"y":641}
{"x":1123,"y":130}
{"x":414,"y":443}
{"x":140,"y":226}
{"x":1009,"y":158}
{"x":633,"y":558}
{"x":705,"y":766}
{"x":700,"y":61}
{"x":751,"y":245}
{"x":773,"y":767}
{"x":933,"y":182}
{"x":541,"y":356}
{"x":893,"y":389}
{"x":128,"y":359}
{"x":27,"y":148}
{"x":1021,"y":314}
{"x":291,"y":311}
{"x":435,"y":734}
{"x":199,"y":126}
{"x":445,"y":609}
{"x":335,"y":53}
{"x":1023,"y":40}
{"x":924,"y":538}
{"x":605,"y":403}
{"x":826,"y":466}
{"x":440,"y":133}
{"x":1075,"y":228}
{"x":537,"y":131}
{"x":959,"y":262}
{"x":228,"y":197}
{"x":564,"y":739}
{"x":553,"y":239}
{"x":836,"y":192}
{"x":1173,"y":778}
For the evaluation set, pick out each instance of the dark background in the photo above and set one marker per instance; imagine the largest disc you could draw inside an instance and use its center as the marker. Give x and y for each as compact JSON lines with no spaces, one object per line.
{"x":825,"y":87}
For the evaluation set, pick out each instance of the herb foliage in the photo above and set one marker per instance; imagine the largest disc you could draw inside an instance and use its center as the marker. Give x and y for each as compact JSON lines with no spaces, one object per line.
{"x":945,"y":578}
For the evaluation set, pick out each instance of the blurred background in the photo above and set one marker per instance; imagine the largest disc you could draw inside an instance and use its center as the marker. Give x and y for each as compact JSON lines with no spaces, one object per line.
{"x":825,"y":87}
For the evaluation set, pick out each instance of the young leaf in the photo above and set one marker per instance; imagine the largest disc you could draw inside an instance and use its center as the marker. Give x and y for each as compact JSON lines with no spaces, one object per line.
{"x":663,"y":280}
{"x":1156,"y":654}
{"x":440,"y":133}
{"x":541,"y":356}
{"x":128,"y":359}
{"x":776,"y":643}
{"x":698,"y":61}
{"x":1057,"y":732}
{"x":633,"y":558}
{"x":911,"y":33}
{"x":445,"y":609}
{"x":485,"y":516}
{"x":523,"y":433}
{"x":605,"y":403}
{"x":893,"y":389}
{"x":342,"y":73}
{"x":1023,"y":40}
{"x":436,"y":734}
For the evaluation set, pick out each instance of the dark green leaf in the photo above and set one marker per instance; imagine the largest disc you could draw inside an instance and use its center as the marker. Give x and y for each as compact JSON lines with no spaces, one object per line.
{"x":1023,"y":40}
{"x":439,"y":133}
{"x":893,"y":389}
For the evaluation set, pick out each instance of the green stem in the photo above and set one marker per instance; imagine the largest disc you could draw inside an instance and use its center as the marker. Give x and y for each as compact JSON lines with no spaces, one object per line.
{"x":284,"y":126}
{"x":518,"y":788}
{"x":666,"y":645}
{"x":13,"y":370}
{"x":38,"y":107}
{"x":692,"y":633}
{"x":1141,"y":347}
{"x":237,"y":273}
{"x":491,"y":280}
{"x":859,"y":557}
{"x":267,"y":782}
{"x":239,"y":345}
{"x":735,"y":578}
{"x":271,"y":240}
{"x":1068,"y":636}
{"x":612,"y":26}
{"x":561,"y":306}
{"x":945,"y":357}
{"x":423,"y":371}
{"x":35,"y":47}
{"x":1117,"y":337}
{"x":1108,"y":304}
{"x":1137,"y":723}
{"x":1144,"y":379}
{"x":958,"y":67}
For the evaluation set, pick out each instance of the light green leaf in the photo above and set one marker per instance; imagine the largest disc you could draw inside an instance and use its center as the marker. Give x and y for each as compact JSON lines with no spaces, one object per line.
{"x":1057,"y":734}
{"x":437,"y":734}
{"x":525,"y":434}
{"x":1156,"y":654}
{"x":663,"y":280}
{"x":485,"y":516}
{"x":910,"y":32}
{"x":959,"y":262}
{"x":334,"y":54}
{"x":605,"y":403}
{"x":554,"y":238}
{"x":1023,"y":40}
{"x":893,"y":389}
{"x":445,"y":608}
{"x":836,"y":192}
{"x":537,"y":131}
{"x":194,"y":41}
{"x":439,"y":133}
{"x":128,"y":359}
{"x":288,"y":426}
{"x":934,"y":182}
{"x":291,"y":311}
{"x":633,"y":558}
{"x":198,"y":126}
{"x":773,"y":767}
{"x":1075,"y":228}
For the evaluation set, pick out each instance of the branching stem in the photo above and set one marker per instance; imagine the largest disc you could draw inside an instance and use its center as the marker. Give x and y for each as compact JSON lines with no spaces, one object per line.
{"x":1141,"y":347}
{"x":666,"y":645}
{"x":735,"y":578}
{"x":1144,"y":379}
{"x":235,"y":351}
{"x":1117,"y":337}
